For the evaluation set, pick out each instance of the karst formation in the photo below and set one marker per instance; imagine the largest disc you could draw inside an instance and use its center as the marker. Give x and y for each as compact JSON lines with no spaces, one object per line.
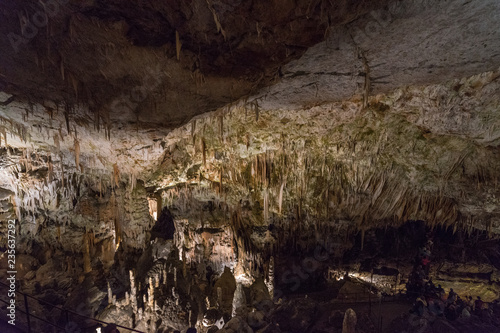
{"x":283,"y":166}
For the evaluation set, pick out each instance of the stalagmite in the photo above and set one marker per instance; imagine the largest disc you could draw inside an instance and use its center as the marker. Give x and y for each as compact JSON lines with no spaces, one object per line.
{"x":239,"y":301}
{"x":175,"y":276}
{"x":175,"y":295}
{"x":133,"y":295}
{"x":164,"y":274}
{"x":110,"y":295}
{"x":219,"y":297}
{"x":349,"y":323}
{"x":150,"y":294}
{"x":269,"y":281}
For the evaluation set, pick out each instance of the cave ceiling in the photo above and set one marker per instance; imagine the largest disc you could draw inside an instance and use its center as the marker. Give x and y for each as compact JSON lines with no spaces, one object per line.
{"x":356,"y":111}
{"x":95,"y":51}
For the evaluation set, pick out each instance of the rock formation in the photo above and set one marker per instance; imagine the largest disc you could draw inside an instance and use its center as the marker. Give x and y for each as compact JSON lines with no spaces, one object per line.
{"x":204,"y":163}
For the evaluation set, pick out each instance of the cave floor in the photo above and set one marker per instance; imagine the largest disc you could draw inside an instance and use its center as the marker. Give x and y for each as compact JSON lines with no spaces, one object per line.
{"x":382,"y":313}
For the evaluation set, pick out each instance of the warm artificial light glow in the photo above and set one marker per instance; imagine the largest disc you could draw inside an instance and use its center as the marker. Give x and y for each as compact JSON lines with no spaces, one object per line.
{"x":153,"y":208}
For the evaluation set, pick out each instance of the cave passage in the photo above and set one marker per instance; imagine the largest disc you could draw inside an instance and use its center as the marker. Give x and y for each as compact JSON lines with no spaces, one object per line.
{"x":250,"y":166}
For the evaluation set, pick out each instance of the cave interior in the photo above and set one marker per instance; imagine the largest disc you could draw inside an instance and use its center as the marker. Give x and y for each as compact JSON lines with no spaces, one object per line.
{"x":284,"y":166}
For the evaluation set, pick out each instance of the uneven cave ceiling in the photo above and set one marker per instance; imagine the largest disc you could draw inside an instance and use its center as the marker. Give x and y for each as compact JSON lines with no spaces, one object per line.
{"x":96,"y":51}
{"x":356,"y":111}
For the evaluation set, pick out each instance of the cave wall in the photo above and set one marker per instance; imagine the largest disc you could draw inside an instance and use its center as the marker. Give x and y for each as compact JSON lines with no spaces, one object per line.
{"x":421,"y":153}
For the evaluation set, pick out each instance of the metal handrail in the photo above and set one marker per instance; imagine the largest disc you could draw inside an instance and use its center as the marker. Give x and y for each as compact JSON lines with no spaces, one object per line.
{"x":347,"y":297}
{"x":28,"y":315}
{"x":34,"y":316}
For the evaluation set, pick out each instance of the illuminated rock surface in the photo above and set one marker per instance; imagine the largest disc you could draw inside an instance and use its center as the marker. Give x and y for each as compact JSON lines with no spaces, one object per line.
{"x":161,"y":158}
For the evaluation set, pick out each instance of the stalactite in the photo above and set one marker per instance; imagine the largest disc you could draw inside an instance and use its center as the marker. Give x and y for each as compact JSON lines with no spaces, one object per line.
{"x":204,"y":151}
{"x":74,"y":83}
{"x":266,"y":204}
{"x":178,"y":45}
{"x":108,"y":130}
{"x":62,"y":173}
{"x":86,"y":254}
{"x":184,"y":266}
{"x":50,"y":175}
{"x":2,"y":132}
{"x":362,"y":238}
{"x":220,"y":180}
{"x":97,"y":118}
{"x":193,"y":130}
{"x":132,"y":181}
{"x":216,"y":19}
{"x":67,"y":110}
{"x":221,"y":128}
{"x":61,"y":137}
{"x":116,"y":175}
{"x":100,"y":188}
{"x":61,"y":66}
{"x":77,"y":154}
